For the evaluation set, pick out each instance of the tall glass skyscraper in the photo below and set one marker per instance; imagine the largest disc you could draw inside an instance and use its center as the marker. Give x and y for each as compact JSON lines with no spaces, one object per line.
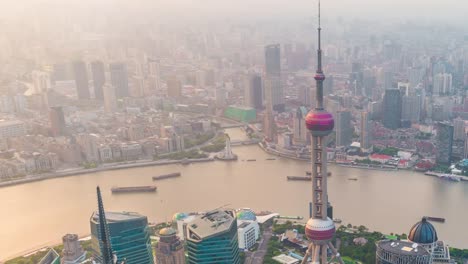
{"x":273,"y":77}
{"x":212,"y":238}
{"x":444,"y":143}
{"x":81,"y":80}
{"x":392,"y":109}
{"x":119,"y":79}
{"x":129,"y":236}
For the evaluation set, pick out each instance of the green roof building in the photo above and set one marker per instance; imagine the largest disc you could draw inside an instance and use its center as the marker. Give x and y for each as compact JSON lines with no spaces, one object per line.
{"x":241,"y":113}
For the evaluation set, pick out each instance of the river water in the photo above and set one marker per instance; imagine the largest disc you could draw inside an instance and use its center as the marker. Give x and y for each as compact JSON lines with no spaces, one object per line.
{"x":40,"y":213}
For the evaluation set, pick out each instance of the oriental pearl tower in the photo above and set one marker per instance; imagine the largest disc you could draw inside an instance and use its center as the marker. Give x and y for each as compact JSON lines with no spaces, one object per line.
{"x":320,"y":229}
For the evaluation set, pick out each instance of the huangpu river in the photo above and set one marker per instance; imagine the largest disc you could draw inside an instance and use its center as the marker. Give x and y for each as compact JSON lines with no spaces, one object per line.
{"x":37,"y":214}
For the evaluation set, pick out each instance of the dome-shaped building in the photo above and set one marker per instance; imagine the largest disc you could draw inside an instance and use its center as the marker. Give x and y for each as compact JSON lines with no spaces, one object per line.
{"x":246,"y":215}
{"x":179,"y":216}
{"x":167,"y":231}
{"x":423,"y":232}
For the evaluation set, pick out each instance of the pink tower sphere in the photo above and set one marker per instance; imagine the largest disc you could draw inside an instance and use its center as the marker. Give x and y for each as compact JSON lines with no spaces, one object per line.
{"x":319,"y":122}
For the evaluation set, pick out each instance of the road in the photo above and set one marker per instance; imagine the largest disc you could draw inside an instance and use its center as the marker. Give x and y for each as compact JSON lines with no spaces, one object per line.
{"x":257,"y":256}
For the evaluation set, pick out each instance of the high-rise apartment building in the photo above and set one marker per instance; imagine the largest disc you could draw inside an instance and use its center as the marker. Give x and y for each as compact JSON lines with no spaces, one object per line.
{"x":273,"y":74}
{"x":442,"y":84}
{"x":212,"y":238}
{"x":253,"y":92}
{"x":169,"y":249}
{"x":444,"y":142}
{"x":110,"y":99}
{"x":57,"y":121}
{"x":81,"y":80}
{"x":459,"y":129}
{"x":119,"y":78}
{"x":411,"y":108}
{"x":344,"y":131}
{"x":365,"y":131}
{"x":72,"y":252}
{"x":174,"y":87}
{"x":465,"y":151}
{"x":392,"y":109}
{"x":129,"y":236}
{"x":99,"y":79}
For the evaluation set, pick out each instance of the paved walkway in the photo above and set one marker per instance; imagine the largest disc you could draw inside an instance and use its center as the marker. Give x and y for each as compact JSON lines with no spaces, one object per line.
{"x":257,"y":256}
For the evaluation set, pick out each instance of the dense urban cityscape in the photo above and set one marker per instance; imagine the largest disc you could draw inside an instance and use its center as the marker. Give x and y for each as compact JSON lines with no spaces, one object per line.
{"x":247,"y":141}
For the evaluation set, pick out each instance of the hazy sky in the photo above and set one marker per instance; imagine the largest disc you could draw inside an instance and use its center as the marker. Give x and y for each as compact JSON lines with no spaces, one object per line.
{"x":403,"y":9}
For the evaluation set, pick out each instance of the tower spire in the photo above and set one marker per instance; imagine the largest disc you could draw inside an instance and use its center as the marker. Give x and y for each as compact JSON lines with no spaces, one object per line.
{"x":319,"y":76}
{"x":106,"y":247}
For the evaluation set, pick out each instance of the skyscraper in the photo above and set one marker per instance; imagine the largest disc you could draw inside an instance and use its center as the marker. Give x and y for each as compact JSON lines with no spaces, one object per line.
{"x":411,"y":108}
{"x":254,"y":94}
{"x":444,"y":143}
{"x":344,"y":133}
{"x":212,"y":238}
{"x":129,"y":236}
{"x":119,"y":79}
{"x":442,"y":84}
{"x":110,"y":99}
{"x":392,"y":109}
{"x":365,"y":131}
{"x":273,"y":75}
{"x":101,"y":238}
{"x":320,"y":229}
{"x":269,"y":125}
{"x":57,"y":121}
{"x":169,"y":249}
{"x":99,"y":78}
{"x":72,"y":252}
{"x":459,"y":129}
{"x":81,"y":80}
{"x":300,"y":130}
{"x":174,"y":87}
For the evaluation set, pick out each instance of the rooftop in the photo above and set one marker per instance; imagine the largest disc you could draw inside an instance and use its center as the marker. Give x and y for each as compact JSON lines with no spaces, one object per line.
{"x":403,"y":248}
{"x":210,"y":223}
{"x":285,"y":259}
{"x":113,"y":217}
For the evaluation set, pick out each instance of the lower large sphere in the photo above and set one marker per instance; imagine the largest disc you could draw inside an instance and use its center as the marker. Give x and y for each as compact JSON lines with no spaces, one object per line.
{"x":319,"y":122}
{"x":320,"y":230}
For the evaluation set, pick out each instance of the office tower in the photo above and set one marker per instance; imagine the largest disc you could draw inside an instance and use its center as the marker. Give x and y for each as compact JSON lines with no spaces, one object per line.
{"x":442,"y":84}
{"x":269,"y":125}
{"x":169,"y":249}
{"x":319,"y":229}
{"x":99,"y":79}
{"x":392,"y":109}
{"x":300,"y":130}
{"x":397,"y":251}
{"x":81,"y":80}
{"x":129,"y":236}
{"x":119,"y":79}
{"x":72,"y":252}
{"x":51,"y":257}
{"x":365,"y":131}
{"x":369,"y":83}
{"x":253,"y":92}
{"x":444,"y":143}
{"x":404,"y":88}
{"x":356,"y":78}
{"x":57,"y":121}
{"x":328,"y":85}
{"x":303,"y":95}
{"x":212,"y":238}
{"x":110,"y":99}
{"x":388,"y":80}
{"x":411,"y":108}
{"x":174,"y":87}
{"x":273,"y":75}
{"x":415,"y":76}
{"x":248,"y":229}
{"x":41,"y":81}
{"x":344,"y":131}
{"x":459,"y":129}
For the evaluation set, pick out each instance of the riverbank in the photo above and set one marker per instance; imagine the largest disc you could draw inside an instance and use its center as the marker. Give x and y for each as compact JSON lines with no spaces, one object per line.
{"x":104,"y":167}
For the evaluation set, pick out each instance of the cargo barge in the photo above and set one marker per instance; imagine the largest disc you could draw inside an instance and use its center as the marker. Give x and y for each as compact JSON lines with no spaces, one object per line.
{"x":133,"y":189}
{"x":299,"y":178}
{"x":166,"y":176}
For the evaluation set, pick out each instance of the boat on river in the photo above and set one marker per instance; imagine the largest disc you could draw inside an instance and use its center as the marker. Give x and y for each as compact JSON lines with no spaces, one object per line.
{"x":299,"y":178}
{"x":133,"y":189}
{"x":166,"y":176}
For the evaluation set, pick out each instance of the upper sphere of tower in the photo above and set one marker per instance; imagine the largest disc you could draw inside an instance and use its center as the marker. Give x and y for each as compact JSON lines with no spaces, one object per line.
{"x":319,"y":76}
{"x":319,"y":122}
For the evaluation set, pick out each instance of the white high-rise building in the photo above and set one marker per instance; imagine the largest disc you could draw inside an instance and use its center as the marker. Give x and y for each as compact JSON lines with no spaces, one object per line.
{"x":41,"y":81}
{"x":442,"y":84}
